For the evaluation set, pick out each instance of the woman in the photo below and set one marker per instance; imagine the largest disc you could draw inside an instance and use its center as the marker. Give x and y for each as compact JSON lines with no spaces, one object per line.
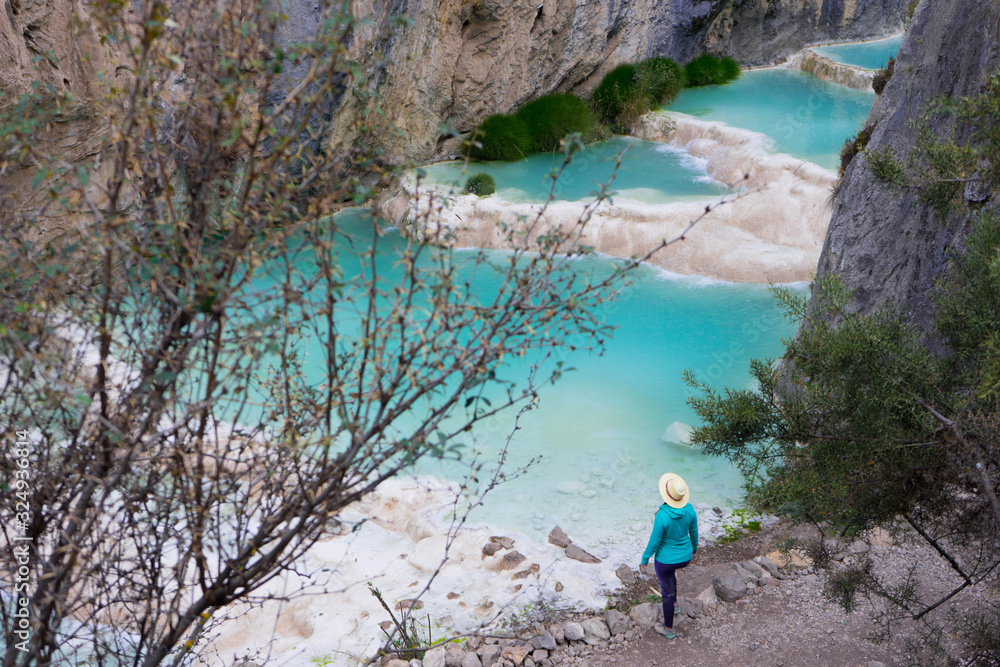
{"x":674,"y":542}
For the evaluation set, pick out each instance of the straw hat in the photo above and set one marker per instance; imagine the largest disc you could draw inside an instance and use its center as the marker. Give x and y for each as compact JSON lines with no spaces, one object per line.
{"x":674,"y":490}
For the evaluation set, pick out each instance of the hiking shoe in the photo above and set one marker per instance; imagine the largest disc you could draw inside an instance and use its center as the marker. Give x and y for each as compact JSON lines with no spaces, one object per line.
{"x":669,"y":634}
{"x":677,"y":608}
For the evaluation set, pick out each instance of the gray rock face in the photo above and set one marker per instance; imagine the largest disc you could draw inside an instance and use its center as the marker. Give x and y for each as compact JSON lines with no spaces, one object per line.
{"x":573,"y":631}
{"x":730,"y":586}
{"x":595,"y":631}
{"x":471,"y":660}
{"x":766,"y":31}
{"x":886,"y":246}
{"x":488,"y":654}
{"x":618,"y":623}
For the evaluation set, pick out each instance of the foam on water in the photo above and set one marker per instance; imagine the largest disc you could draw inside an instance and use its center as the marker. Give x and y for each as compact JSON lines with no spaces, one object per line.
{"x":802,"y":115}
{"x":870,"y":55}
{"x":648,"y":173}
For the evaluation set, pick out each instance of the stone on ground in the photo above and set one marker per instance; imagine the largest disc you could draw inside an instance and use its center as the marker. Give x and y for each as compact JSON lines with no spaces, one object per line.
{"x":595,"y":631}
{"x":618,"y":622}
{"x":645,"y":615}
{"x":625,"y":574}
{"x":435,"y":657}
{"x":730,"y":586}
{"x":576,"y":553}
{"x":573,"y":631}
{"x":559,"y":538}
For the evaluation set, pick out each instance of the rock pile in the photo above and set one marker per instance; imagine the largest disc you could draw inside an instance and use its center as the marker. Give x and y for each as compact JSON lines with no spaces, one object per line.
{"x":570,"y":642}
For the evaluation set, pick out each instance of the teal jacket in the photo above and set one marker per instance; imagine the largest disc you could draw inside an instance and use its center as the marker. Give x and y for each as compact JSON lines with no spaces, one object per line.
{"x":675,"y":535}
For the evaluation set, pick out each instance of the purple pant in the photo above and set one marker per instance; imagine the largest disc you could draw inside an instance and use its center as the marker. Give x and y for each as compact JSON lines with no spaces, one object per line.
{"x":667,"y":574}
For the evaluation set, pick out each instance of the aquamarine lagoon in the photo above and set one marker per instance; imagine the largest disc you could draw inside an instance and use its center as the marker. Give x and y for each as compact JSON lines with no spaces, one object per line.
{"x":870,"y":55}
{"x":650,"y":172}
{"x":608,"y":429}
{"x":802,"y":115}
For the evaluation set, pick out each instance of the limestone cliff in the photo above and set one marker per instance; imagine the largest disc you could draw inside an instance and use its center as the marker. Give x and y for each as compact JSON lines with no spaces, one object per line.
{"x":885,"y":244}
{"x":763,"y":32}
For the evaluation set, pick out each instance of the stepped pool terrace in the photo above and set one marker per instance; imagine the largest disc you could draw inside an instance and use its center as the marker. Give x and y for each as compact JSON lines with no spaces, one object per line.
{"x":801,"y":115}
{"x":650,"y":173}
{"x":870,"y":55}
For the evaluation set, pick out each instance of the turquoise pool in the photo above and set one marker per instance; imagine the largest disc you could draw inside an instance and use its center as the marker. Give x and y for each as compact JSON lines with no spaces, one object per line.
{"x":803,"y":116}
{"x":650,"y":172}
{"x":870,"y":55}
{"x":601,"y":430}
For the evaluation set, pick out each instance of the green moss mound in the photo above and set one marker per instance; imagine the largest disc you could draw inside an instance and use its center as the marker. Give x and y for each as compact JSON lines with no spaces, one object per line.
{"x":710,"y":70}
{"x":615,"y":94}
{"x":660,"y":79}
{"x":502,"y":137}
{"x":552,"y":117}
{"x":480,"y":184}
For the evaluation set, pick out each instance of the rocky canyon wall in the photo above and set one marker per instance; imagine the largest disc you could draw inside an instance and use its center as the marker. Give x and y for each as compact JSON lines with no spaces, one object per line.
{"x":886,"y":245}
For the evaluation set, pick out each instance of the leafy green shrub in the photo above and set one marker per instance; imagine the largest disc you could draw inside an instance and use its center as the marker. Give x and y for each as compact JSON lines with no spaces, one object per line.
{"x":615,"y":93}
{"x":709,"y":70}
{"x":730,"y":68}
{"x":855,"y":145}
{"x":552,"y":117}
{"x":480,"y":184}
{"x":502,"y":137}
{"x":660,"y":79}
{"x":883,"y":75}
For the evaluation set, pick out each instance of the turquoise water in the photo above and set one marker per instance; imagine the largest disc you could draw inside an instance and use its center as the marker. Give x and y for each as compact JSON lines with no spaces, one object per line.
{"x":870,"y":55}
{"x":650,"y":172}
{"x":802,"y":115}
{"x":600,"y":430}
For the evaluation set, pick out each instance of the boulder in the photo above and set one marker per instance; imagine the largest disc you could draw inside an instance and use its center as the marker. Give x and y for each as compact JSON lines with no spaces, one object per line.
{"x":488,"y":654}
{"x":729,"y":586}
{"x":770,"y":566}
{"x":625,"y":574}
{"x":618,"y":623}
{"x":504,"y":542}
{"x":511,"y":560}
{"x":516,"y":654}
{"x":595,"y":631}
{"x":435,"y":657}
{"x":576,"y":553}
{"x":453,"y":657}
{"x":397,"y":662}
{"x":491,"y":548}
{"x":747,"y":576}
{"x":707,"y":599}
{"x":471,"y":660}
{"x":646,"y":615}
{"x":545,"y":640}
{"x":539,"y":654}
{"x":689,"y":607}
{"x":573,"y":631}
{"x":559,"y":538}
{"x":415,"y":663}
